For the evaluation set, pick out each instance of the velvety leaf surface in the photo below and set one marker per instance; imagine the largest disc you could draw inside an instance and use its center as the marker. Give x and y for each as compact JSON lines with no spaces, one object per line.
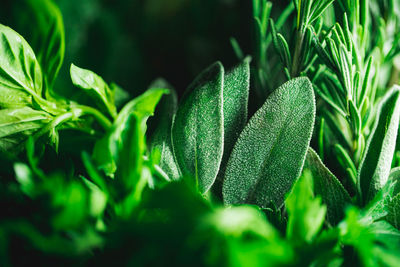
{"x":269,"y":154}
{"x":95,"y":86}
{"x":375,"y":166}
{"x":328,"y":187}
{"x":236,"y":97}
{"x":394,"y":212}
{"x":197,"y":130}
{"x":161,"y":139}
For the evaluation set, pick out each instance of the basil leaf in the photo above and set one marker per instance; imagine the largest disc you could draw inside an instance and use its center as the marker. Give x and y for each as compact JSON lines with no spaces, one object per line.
{"x":236,"y":96}
{"x":376,"y":163}
{"x":161,"y":139}
{"x":96,"y":87}
{"x":48,"y":39}
{"x":328,"y":187}
{"x":20,"y":74}
{"x":106,"y":150}
{"x":17,"y":124}
{"x":269,"y":154}
{"x":306,"y":212}
{"x":197,"y":129}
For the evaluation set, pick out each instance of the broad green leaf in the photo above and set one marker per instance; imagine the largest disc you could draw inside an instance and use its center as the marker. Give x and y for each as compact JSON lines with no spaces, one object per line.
{"x":306,"y":212}
{"x":106,"y":149}
{"x":20,"y":73}
{"x":96,"y":87}
{"x":376,"y":163}
{"x":17,"y":124}
{"x":328,"y":187}
{"x":395,"y":177}
{"x":161,"y":138}
{"x":48,"y":37}
{"x":235,"y":98}
{"x":197,"y":129}
{"x":394,"y":211}
{"x":269,"y":154}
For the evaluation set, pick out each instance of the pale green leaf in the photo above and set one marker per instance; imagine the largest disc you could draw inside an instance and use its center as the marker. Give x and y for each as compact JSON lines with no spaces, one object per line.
{"x":197,"y":130}
{"x":269,"y":154}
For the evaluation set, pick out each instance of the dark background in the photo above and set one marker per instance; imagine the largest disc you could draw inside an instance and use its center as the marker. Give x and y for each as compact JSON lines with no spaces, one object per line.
{"x":133,"y":42}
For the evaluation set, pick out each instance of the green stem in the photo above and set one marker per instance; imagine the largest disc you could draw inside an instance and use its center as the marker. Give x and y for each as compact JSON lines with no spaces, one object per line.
{"x":295,"y":70}
{"x":101,"y":119}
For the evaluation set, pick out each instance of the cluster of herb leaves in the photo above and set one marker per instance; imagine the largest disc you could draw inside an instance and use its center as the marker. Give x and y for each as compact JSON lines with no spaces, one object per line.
{"x":81,"y":185}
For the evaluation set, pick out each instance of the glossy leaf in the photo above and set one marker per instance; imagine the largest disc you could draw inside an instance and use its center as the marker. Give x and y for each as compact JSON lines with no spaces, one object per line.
{"x":269,"y":154}
{"x":16,"y":125}
{"x":375,"y":166}
{"x":48,"y":39}
{"x":328,"y":187}
{"x":106,"y":149}
{"x":96,"y":87}
{"x":20,"y":73}
{"x":197,"y":130}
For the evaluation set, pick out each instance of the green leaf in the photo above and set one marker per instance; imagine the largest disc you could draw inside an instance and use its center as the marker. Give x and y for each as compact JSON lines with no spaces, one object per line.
{"x":106,"y":149}
{"x":197,"y":130}
{"x":96,"y":87}
{"x":306,"y":213}
{"x":48,"y":38}
{"x":394,"y":212}
{"x":161,"y":139}
{"x":17,"y":124}
{"x":328,"y":187}
{"x":269,"y":154}
{"x":376,"y":163}
{"x":236,"y":96}
{"x":20,"y":73}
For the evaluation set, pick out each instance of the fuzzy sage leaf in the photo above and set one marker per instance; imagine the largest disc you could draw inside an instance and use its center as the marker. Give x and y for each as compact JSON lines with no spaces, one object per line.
{"x":197,"y":130}
{"x":376,"y":163}
{"x":328,"y":187}
{"x":269,"y":154}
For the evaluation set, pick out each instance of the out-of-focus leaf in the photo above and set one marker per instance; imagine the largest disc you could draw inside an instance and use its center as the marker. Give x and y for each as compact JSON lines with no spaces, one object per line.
{"x":306,"y":212}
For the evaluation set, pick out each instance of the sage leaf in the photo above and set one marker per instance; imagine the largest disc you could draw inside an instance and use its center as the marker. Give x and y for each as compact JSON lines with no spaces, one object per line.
{"x":270,"y":152}
{"x":236,"y":98}
{"x":197,"y":129}
{"x":96,"y":87}
{"x":394,"y":212}
{"x":161,"y":139}
{"x":376,"y":163}
{"x":328,"y":187}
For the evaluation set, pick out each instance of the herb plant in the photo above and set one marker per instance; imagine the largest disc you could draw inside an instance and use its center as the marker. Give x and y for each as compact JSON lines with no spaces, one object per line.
{"x":310,"y":179}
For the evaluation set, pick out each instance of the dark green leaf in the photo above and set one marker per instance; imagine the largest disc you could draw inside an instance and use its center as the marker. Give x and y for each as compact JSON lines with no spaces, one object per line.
{"x":96,"y":87}
{"x":269,"y":154}
{"x":376,"y":163}
{"x":236,"y":96}
{"x":328,"y":187}
{"x":394,"y":212}
{"x":197,"y":130}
